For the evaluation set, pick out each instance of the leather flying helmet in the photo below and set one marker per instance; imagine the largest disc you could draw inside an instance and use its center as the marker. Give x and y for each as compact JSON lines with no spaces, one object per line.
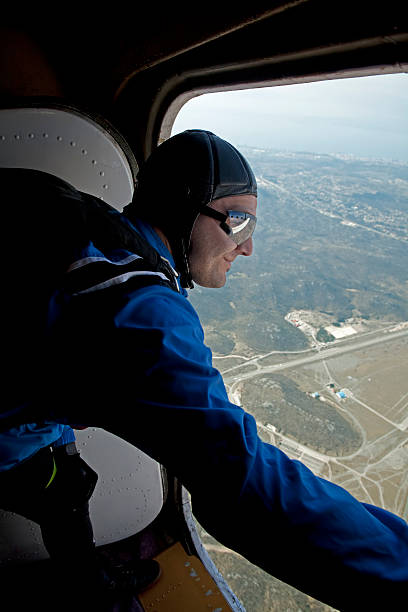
{"x":183,"y":175}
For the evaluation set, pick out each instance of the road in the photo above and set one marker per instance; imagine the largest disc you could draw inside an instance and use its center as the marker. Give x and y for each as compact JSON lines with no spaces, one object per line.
{"x":328,"y":353}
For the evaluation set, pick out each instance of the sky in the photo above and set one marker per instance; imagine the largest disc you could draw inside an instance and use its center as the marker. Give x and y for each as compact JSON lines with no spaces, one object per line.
{"x":364,"y":116}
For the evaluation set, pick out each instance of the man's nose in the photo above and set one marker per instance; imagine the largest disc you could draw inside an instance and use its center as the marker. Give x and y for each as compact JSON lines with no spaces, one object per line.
{"x":246,"y":248}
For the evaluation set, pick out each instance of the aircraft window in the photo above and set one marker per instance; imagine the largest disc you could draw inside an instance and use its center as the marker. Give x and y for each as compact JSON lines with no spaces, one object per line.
{"x":311,"y":332}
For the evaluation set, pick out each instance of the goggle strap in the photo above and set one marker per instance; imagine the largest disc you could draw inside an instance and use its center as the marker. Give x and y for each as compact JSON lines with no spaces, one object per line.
{"x":226,"y":228}
{"x":215,"y":214}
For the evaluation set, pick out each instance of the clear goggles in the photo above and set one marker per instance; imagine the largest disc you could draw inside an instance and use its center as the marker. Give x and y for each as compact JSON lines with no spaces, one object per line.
{"x":239,"y":226}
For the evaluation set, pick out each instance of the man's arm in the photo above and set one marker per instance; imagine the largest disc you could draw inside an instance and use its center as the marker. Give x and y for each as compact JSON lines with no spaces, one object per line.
{"x":145,"y":374}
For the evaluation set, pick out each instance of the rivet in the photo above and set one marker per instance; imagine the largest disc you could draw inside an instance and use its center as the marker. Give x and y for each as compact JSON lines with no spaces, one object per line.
{"x":45,"y":135}
{"x":84,"y":152}
{"x":31,"y":135}
{"x":17,"y":136}
{"x":59,"y":138}
{"x":105,"y":186}
{"x":3,"y":138}
{"x":73,"y":143}
{"x":101,"y":173}
{"x":94,"y":162}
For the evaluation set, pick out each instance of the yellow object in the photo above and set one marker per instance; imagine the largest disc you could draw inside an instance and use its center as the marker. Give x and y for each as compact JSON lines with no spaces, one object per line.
{"x":184,"y":586}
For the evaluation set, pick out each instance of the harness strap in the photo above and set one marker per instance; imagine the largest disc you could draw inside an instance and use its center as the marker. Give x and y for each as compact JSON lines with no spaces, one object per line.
{"x":49,"y":223}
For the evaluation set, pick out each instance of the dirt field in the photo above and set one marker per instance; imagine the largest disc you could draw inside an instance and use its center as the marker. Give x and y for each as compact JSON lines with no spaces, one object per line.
{"x":375,"y":381}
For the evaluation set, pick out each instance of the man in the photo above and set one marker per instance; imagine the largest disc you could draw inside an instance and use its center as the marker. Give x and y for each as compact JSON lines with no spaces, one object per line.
{"x":129,"y":356}
{"x":195,"y":204}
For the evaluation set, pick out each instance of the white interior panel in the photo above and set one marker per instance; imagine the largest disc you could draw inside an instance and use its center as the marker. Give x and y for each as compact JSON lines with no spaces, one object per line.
{"x":127,"y":497}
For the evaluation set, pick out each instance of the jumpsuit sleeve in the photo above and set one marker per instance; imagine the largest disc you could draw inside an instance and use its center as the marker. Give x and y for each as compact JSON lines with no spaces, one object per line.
{"x":67,"y":437}
{"x":154,"y":385}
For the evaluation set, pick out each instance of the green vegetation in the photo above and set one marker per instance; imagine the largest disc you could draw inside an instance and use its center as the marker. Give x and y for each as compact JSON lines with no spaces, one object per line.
{"x":220,"y":343}
{"x":276,"y":399}
{"x":324,"y":336}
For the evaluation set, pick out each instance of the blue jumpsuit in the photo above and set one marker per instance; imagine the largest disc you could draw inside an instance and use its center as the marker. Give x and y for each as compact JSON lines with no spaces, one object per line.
{"x":134,"y":362}
{"x":23,"y":441}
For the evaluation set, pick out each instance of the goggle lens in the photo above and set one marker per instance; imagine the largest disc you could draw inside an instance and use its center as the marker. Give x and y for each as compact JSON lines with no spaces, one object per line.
{"x":237,"y":224}
{"x":241,"y":224}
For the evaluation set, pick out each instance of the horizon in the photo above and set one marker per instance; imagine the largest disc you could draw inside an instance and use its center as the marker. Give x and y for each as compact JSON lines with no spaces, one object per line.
{"x":365,"y":117}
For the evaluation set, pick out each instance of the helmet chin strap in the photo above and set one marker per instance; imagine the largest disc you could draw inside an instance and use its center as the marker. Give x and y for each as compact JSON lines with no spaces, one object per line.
{"x":85,"y":151}
{"x":186,"y":280}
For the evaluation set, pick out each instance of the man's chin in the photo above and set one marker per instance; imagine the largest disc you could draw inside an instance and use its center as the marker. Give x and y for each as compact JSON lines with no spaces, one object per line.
{"x":211,"y":283}
{"x":220,"y":282}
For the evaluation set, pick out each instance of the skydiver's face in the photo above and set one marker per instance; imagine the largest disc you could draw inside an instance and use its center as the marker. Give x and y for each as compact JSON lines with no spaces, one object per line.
{"x":212,"y":251}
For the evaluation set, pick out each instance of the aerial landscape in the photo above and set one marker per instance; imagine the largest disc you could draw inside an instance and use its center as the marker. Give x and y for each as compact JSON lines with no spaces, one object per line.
{"x":311,"y":334}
